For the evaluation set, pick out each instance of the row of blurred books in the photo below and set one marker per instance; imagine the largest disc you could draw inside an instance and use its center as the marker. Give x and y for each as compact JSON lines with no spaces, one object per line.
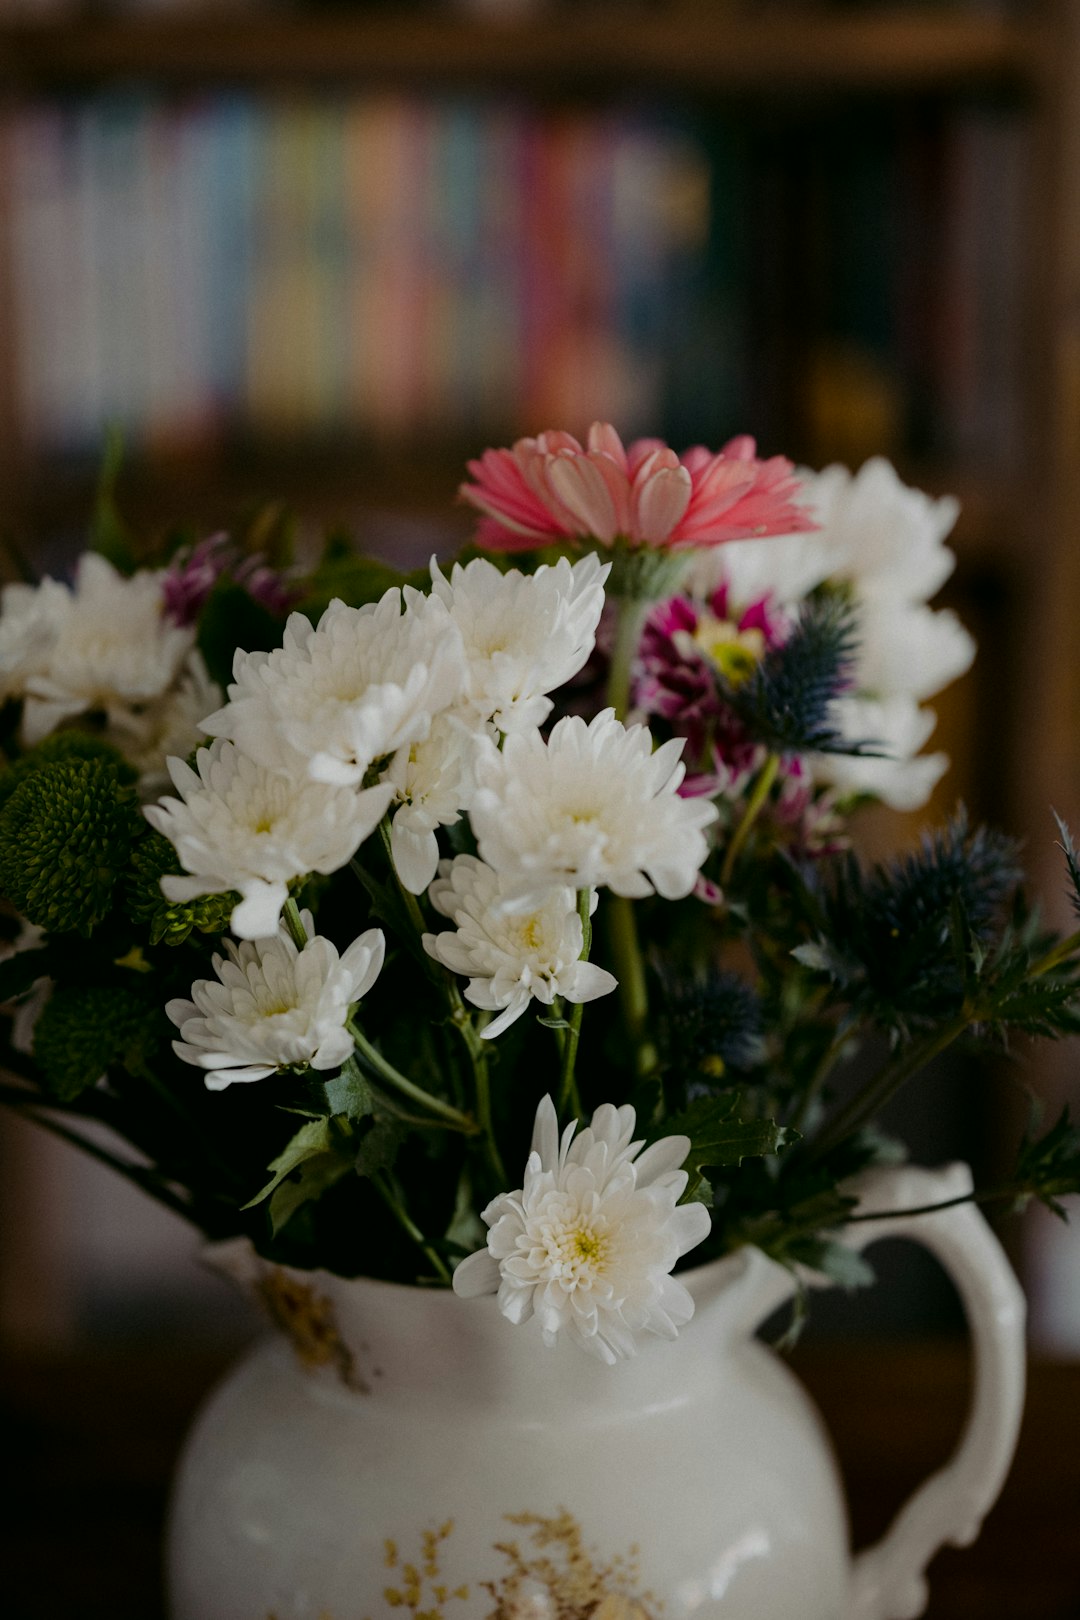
{"x":380,"y":265}
{"x":389,"y":267}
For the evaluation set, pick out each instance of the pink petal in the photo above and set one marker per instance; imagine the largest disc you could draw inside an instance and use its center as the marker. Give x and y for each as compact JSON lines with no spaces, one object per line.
{"x":603,"y":440}
{"x":580,"y":485}
{"x":661,"y":503}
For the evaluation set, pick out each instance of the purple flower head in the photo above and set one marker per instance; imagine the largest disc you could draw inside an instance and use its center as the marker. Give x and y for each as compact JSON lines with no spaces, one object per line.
{"x":192,"y":575}
{"x":195,"y":570}
{"x":689,"y":652}
{"x":270,"y":587}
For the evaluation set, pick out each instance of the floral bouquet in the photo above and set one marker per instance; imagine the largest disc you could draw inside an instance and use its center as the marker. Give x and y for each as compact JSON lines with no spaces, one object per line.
{"x":499,"y":926}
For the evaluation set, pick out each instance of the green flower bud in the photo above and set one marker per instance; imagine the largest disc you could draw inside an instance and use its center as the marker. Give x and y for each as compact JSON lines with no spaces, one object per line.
{"x":170,"y":921}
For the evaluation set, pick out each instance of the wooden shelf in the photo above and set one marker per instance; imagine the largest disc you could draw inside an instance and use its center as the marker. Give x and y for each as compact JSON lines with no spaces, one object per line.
{"x":694,"y":49}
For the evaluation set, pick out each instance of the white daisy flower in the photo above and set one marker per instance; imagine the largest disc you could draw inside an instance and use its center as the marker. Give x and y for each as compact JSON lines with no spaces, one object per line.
{"x":511,"y":958}
{"x":434,"y":781}
{"x":363,"y":684}
{"x":587,"y":1244}
{"x":274,"y":1007}
{"x":29,"y":616}
{"x":887,"y":539}
{"x":113,"y":646}
{"x":244,"y":826}
{"x":148,"y":734}
{"x":898,"y":775}
{"x":909,"y":650}
{"x":524,"y":634}
{"x":592,"y":806}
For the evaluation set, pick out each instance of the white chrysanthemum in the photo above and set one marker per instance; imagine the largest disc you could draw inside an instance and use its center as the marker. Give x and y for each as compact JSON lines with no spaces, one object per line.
{"x":274,"y":1007}
{"x":244,"y":826}
{"x":783,"y":567}
{"x":113,"y":646}
{"x":511,"y":958}
{"x":898,"y":775}
{"x":29,"y":616}
{"x":592,"y":806}
{"x":524,"y":634}
{"x":363,"y":684}
{"x":434,"y":781}
{"x":587,"y":1244}
{"x":888,"y":539}
{"x":147,"y":735}
{"x":909,"y":650}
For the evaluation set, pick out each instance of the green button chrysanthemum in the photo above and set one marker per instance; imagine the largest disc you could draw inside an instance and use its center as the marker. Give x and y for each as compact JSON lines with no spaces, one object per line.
{"x":65,"y":835}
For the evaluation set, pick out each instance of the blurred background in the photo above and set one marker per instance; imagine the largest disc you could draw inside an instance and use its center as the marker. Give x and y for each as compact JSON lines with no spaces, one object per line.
{"x":321,"y":254}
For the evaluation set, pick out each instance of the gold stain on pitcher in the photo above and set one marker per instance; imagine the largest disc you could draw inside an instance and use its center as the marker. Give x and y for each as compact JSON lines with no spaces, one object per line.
{"x":307,"y":1319}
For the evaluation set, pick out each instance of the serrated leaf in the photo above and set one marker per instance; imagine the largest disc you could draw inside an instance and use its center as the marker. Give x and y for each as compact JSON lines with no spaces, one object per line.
{"x":719,"y":1137}
{"x":314,"y":1178}
{"x":324,"y":1137}
{"x":349,"y":1093}
{"x":379,"y":1147}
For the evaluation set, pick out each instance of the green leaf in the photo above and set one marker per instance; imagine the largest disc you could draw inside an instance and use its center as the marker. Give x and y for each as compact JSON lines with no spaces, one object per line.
{"x":718,"y":1136}
{"x":553,"y":1023}
{"x":349,"y":1092}
{"x":319,"y":1155}
{"x":845,"y":1267}
{"x":232,"y":618}
{"x":379,"y":1147}
{"x":341,"y":573}
{"x":1049,"y":1166}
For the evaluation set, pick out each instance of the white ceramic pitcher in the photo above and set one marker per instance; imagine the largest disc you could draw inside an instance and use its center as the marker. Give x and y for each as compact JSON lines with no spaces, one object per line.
{"x":434,"y":1461}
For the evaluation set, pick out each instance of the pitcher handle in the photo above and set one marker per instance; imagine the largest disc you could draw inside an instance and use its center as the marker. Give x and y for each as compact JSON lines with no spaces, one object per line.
{"x":888,"y":1580}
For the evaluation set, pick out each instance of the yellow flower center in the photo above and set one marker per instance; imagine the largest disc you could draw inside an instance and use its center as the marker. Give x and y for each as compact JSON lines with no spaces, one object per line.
{"x":588,"y":1245}
{"x":734,"y":652}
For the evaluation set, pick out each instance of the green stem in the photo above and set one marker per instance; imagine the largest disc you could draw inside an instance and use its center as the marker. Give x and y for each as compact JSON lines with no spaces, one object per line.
{"x":408,"y":1225}
{"x":762,"y":788}
{"x":393,"y":1077}
{"x":568,"y":1091}
{"x":1055,"y":956}
{"x":628,"y":965}
{"x":820,"y":1075}
{"x":987,"y":1197}
{"x":631,"y":614}
{"x":879,"y":1091}
{"x":294,"y":923}
{"x":460,"y":1017}
{"x":873,"y":1097}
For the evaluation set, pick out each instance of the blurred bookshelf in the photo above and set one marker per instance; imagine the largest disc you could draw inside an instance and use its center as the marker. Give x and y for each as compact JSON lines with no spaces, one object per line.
{"x":845,"y":229}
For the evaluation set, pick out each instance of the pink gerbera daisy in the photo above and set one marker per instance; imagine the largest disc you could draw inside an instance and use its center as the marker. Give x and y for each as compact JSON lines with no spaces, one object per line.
{"x":552,"y":489}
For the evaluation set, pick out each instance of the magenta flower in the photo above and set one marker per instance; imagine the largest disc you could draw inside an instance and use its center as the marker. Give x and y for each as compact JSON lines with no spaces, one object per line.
{"x":192,"y":575}
{"x":552,"y":489}
{"x":195,"y":570}
{"x":687,"y":649}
